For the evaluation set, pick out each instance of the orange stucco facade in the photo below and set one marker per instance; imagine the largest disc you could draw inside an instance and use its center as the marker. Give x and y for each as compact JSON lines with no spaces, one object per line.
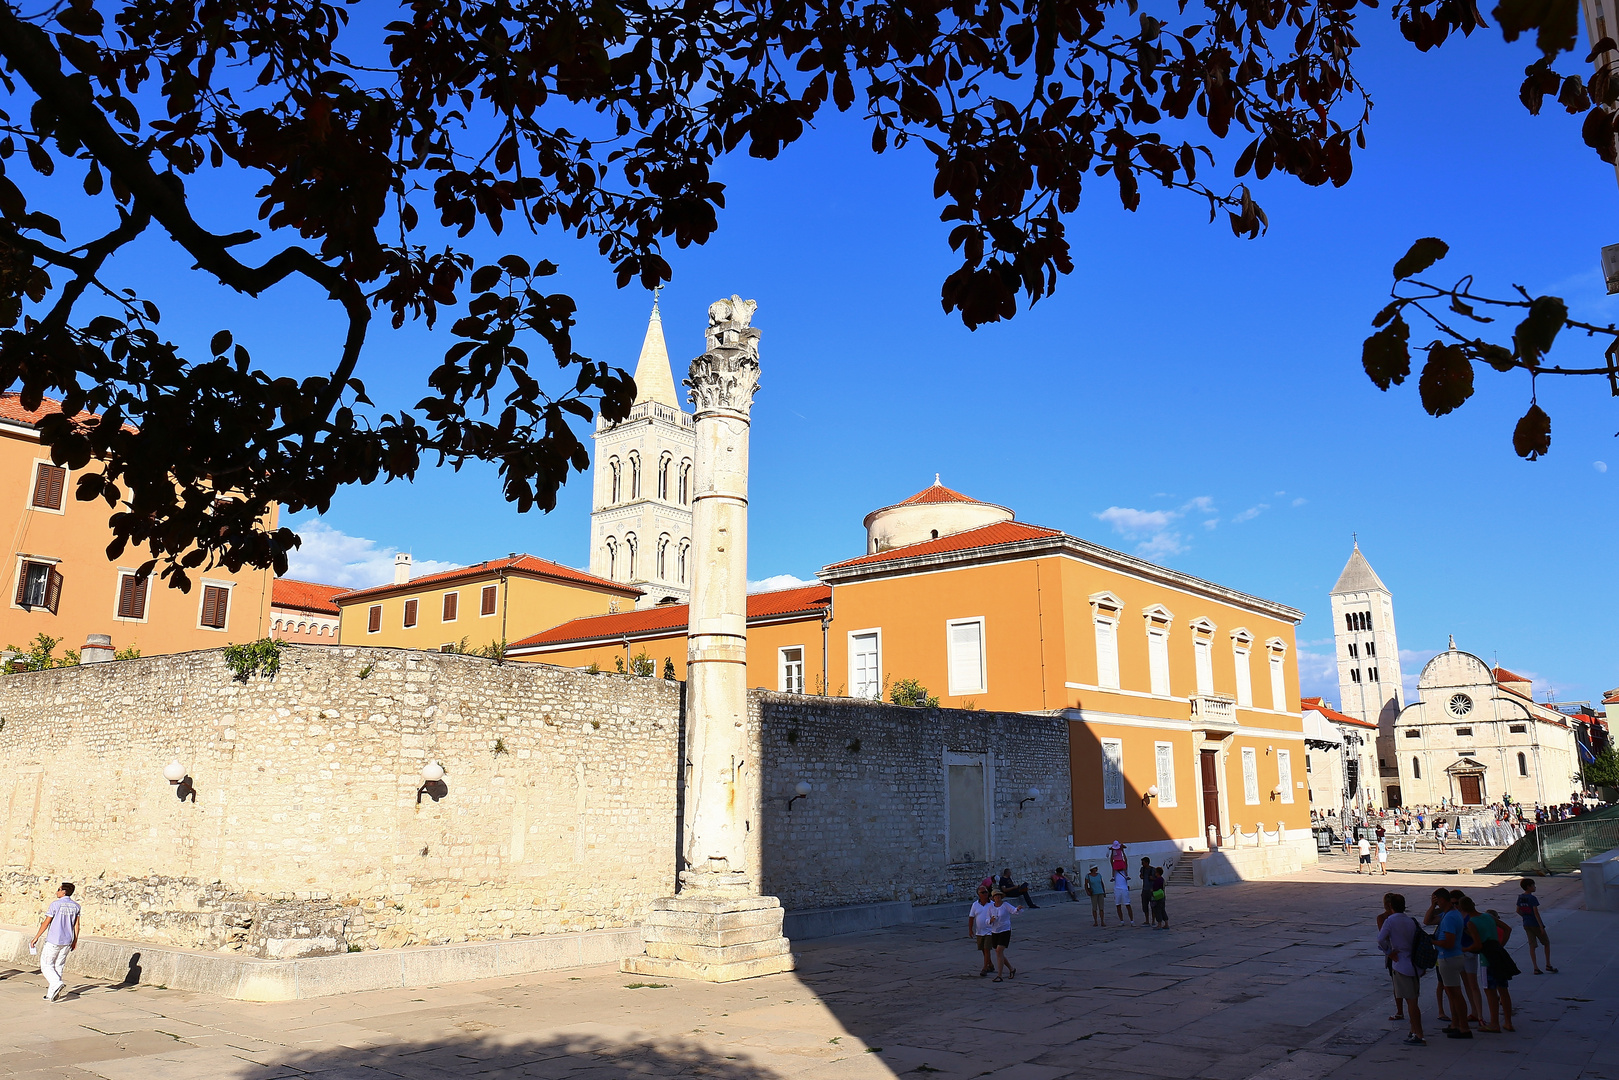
{"x":765,"y":645}
{"x":61,"y":543}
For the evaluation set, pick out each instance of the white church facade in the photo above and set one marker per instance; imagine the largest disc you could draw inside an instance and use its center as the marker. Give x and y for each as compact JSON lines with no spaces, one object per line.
{"x":1474,"y":732}
{"x":640,"y":520}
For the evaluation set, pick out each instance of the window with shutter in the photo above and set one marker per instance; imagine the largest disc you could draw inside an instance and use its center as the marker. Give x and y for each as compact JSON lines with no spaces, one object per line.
{"x":1112,"y":774}
{"x":966,"y":641}
{"x":865,"y":682}
{"x":1250,"y":777}
{"x":1203,"y":651}
{"x":131,"y":597}
{"x":48,"y":484}
{"x":452,"y":601}
{"x":1107,"y":654}
{"x":374,"y":619}
{"x":53,"y":590}
{"x":1284,"y":774}
{"x":1158,"y":661}
{"x":215,"y":606}
{"x":34,"y":586}
{"x":1164,"y":754}
{"x":487,"y":603}
{"x":1245,"y":682}
{"x":410,"y":612}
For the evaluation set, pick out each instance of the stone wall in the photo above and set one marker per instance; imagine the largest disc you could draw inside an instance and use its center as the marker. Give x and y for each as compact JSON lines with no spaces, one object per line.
{"x":307,"y":834}
{"x":874,"y":826}
{"x":308,"y":837}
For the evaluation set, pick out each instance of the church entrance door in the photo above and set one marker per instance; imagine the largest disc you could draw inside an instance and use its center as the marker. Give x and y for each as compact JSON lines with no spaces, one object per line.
{"x":1472,"y":794}
{"x":1209,"y":760}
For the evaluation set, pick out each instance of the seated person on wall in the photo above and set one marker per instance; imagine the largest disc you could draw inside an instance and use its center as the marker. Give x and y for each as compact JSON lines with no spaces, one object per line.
{"x":1010,"y":890}
{"x":1060,"y":883}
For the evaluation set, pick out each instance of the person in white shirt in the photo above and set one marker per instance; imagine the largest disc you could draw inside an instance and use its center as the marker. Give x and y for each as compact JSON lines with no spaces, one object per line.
{"x":1365,"y":856}
{"x":978,"y":928}
{"x":1000,"y":933}
{"x":1383,"y":856}
{"x":1121,"y":896}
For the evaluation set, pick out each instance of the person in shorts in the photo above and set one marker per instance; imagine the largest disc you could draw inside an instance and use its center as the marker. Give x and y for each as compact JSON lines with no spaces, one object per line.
{"x":1451,"y":968}
{"x":1395,"y":938}
{"x":1365,"y":857}
{"x":1096,"y":889}
{"x":1000,"y":931}
{"x":978,"y":928}
{"x":1534,"y":927}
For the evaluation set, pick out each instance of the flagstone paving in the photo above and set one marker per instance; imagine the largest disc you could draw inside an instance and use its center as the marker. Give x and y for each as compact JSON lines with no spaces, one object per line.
{"x":1276,"y":980}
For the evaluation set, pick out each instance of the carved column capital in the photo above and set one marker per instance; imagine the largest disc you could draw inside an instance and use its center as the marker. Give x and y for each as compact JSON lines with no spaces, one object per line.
{"x":727,"y":375}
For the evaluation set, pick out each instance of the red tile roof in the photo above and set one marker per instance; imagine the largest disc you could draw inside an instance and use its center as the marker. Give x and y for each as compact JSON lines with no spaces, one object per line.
{"x":1611,"y":697}
{"x":1502,"y":675}
{"x":1001,"y":532}
{"x":1315,"y":704}
{"x":305,"y":595}
{"x":11,"y":408}
{"x":673,"y":618}
{"x":526,"y":565}
{"x":937,"y":493}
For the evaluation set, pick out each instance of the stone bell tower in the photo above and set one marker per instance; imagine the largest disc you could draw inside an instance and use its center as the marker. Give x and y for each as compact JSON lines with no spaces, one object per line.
{"x":1370,"y":685}
{"x":718,"y":927}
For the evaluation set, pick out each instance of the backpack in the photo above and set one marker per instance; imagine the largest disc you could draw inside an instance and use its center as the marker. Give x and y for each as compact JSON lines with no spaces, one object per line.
{"x":1424,"y":953}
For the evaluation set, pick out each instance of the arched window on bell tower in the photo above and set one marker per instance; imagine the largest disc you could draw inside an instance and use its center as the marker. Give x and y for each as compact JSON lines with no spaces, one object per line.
{"x":612,"y":558}
{"x":630,"y":547}
{"x":685,"y":483}
{"x":663,"y":557}
{"x":665,"y":466}
{"x":635,"y":475}
{"x":615,"y":473}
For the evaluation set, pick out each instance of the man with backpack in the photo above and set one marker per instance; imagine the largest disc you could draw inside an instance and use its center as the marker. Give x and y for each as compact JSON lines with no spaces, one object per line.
{"x":1410,"y":948}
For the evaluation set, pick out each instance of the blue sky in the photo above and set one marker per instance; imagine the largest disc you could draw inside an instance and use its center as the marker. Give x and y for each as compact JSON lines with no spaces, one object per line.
{"x":1185,"y":394}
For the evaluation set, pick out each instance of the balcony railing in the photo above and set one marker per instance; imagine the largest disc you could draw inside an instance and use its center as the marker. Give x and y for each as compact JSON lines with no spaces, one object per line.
{"x":1214,"y":710}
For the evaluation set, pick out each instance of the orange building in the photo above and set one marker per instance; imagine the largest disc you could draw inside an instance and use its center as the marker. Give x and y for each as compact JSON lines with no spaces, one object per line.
{"x":788,"y":633}
{"x":477,"y":605}
{"x":63,"y":585}
{"x":304,"y":611}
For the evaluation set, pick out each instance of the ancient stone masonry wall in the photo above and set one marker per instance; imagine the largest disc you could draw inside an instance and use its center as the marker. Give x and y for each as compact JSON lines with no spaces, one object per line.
{"x":876,"y":823}
{"x":307,"y":835}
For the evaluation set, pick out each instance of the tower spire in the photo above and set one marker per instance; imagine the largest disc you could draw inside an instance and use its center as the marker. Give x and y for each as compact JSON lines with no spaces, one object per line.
{"x":654,"y":379}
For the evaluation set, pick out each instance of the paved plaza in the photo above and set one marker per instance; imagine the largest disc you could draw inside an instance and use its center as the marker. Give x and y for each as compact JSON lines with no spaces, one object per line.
{"x":1277,"y":980}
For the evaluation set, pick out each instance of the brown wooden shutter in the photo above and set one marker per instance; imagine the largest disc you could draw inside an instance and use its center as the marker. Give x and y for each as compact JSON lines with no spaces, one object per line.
{"x":488,"y":607}
{"x":215,"y":606}
{"x":131,"y":598}
{"x":22,"y":584}
{"x":53,"y":591}
{"x":451,"y":602}
{"x":375,"y":621}
{"x":207,"y":617}
{"x":410,"y":612}
{"x":48,"y":487}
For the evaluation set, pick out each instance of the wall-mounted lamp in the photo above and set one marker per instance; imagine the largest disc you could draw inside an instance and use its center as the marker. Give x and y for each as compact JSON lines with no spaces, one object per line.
{"x":175,"y":773}
{"x":1034,"y":793}
{"x":803,"y":790}
{"x":1149,"y":795}
{"x":1267,"y":751}
{"x":433,"y":784}
{"x":1276,"y":792}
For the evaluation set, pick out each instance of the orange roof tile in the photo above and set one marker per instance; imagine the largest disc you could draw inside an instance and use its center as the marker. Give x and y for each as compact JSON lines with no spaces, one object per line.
{"x":11,"y":408}
{"x":1316,"y":704}
{"x":1502,"y":675}
{"x":994,"y":535}
{"x":520,"y":564}
{"x":305,"y":595}
{"x":674,"y":618}
{"x":937,"y":493}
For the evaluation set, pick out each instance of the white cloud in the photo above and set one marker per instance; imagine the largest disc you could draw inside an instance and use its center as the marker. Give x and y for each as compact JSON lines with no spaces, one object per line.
{"x":1300,"y":502}
{"x":333,"y":557}
{"x":1130,"y":521}
{"x":1250,"y":513}
{"x":1203,"y":504}
{"x":1154,"y":529}
{"x":1600,"y":466}
{"x":1211,"y":523}
{"x":1162,"y":545}
{"x":1318,"y":672}
{"x":777,"y":582}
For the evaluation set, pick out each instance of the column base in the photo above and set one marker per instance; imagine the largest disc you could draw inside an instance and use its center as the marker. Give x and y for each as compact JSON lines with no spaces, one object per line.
{"x":713,"y":939}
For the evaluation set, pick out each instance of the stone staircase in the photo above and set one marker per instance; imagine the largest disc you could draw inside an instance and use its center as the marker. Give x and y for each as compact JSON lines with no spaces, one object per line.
{"x":1180,"y":874}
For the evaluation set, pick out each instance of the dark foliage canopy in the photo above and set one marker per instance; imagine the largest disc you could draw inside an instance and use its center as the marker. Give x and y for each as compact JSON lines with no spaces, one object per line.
{"x":376,"y":149}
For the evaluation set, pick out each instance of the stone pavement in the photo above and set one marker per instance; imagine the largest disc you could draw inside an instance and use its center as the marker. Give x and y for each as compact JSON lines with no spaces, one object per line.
{"x":1274,"y":980}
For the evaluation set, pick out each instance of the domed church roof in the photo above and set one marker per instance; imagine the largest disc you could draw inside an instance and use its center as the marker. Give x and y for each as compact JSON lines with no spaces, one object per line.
{"x":933,"y":512}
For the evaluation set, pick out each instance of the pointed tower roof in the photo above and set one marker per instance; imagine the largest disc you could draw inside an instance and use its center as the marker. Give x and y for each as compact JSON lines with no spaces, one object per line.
{"x":654,"y":380}
{"x":1358,"y":576}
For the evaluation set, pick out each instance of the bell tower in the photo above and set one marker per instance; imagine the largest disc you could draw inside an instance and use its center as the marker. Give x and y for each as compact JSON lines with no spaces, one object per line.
{"x":640,"y":520}
{"x":1370,"y":686}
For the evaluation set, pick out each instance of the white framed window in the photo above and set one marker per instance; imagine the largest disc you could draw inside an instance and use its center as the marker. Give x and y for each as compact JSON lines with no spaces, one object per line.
{"x":1107,"y":652}
{"x":1203,"y":653}
{"x":213,"y":607}
{"x":1245,"y":681}
{"x":865,"y":664}
{"x":1250,"y":776}
{"x":1284,"y":774}
{"x":131,"y":596}
{"x":1164,"y":755}
{"x":1158,"y":661}
{"x":965,"y":638}
{"x":50,"y":487}
{"x":1112,"y":774}
{"x":790,"y":669}
{"x":1278,"y":684}
{"x":39,"y":584}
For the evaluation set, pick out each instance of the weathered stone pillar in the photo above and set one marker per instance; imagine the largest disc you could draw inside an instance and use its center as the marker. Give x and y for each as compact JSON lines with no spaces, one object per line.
{"x":718,"y":928}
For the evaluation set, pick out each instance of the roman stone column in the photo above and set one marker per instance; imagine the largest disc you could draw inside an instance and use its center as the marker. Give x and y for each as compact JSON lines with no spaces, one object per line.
{"x":718,"y":927}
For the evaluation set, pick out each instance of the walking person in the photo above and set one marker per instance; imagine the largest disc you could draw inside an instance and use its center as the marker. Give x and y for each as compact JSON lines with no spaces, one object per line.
{"x":978,"y":928}
{"x":1451,"y":967}
{"x":1534,"y":927}
{"x":1000,"y":929}
{"x":1396,"y":937}
{"x":1365,"y":866}
{"x":1096,"y":889}
{"x":60,"y":929}
{"x":1382,"y":856}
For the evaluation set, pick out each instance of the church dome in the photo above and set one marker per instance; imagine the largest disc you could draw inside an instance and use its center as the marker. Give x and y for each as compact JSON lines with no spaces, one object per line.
{"x":929,"y":514}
